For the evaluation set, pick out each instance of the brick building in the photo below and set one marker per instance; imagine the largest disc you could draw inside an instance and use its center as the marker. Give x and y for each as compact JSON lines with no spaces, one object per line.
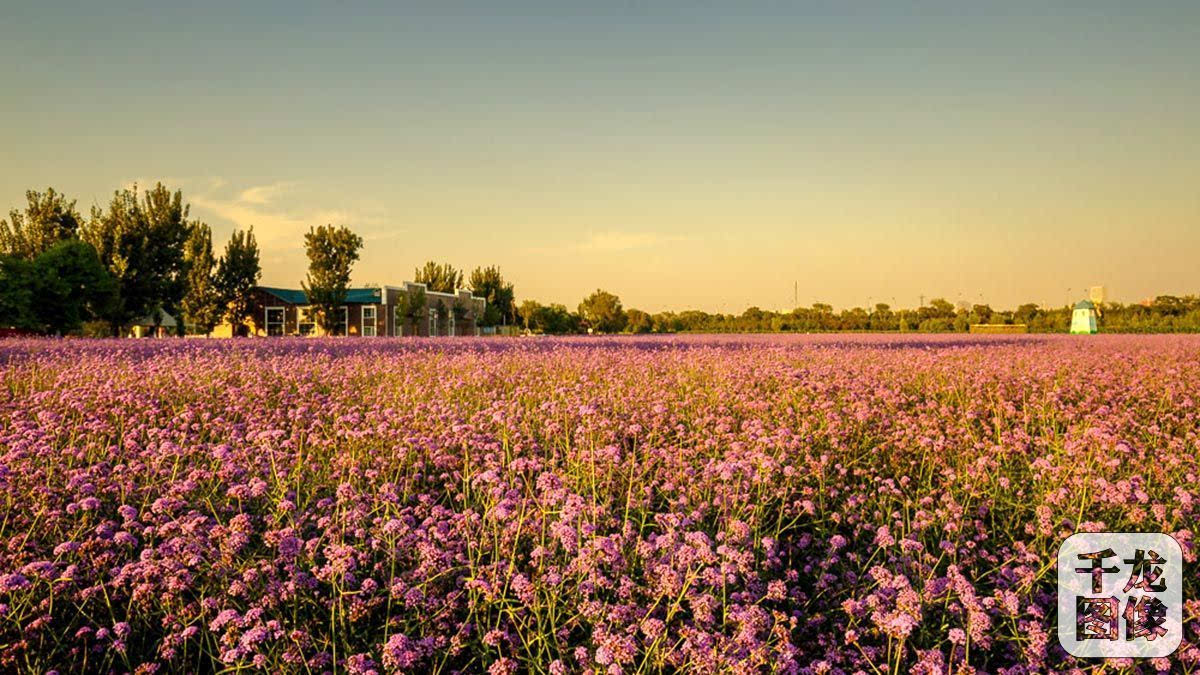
{"x":408,"y":310}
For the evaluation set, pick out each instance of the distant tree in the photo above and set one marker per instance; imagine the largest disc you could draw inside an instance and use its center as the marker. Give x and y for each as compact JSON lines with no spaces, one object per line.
{"x":203,"y":304}
{"x":140,"y":242}
{"x":48,"y":219}
{"x":556,"y":319}
{"x":412,"y":305}
{"x":1026,"y":313}
{"x":71,"y":286}
{"x":528,"y":312}
{"x":441,"y":278}
{"x":638,"y":321}
{"x":982,"y":312}
{"x":332,"y":252}
{"x":602,"y":312}
{"x":16,"y":293}
{"x":237,"y":274}
{"x":487,"y":283}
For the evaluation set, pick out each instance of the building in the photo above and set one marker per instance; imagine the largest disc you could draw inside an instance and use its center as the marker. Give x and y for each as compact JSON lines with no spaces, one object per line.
{"x":1083,"y":318}
{"x":379,"y":311}
{"x":156,"y":324}
{"x":1001,"y":328}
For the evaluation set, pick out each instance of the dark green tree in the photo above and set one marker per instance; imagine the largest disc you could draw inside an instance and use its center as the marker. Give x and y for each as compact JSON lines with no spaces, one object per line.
{"x":202,"y":305}
{"x":48,"y":219}
{"x":140,"y":243}
{"x":602,"y":312}
{"x":332,"y":252}
{"x":16,"y":293}
{"x":411,"y":305}
{"x":487,"y":283}
{"x":237,"y":274}
{"x":441,"y":278}
{"x":70,"y":286}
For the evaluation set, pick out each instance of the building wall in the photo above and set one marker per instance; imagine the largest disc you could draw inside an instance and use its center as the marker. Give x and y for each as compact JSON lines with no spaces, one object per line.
{"x":386,"y":322}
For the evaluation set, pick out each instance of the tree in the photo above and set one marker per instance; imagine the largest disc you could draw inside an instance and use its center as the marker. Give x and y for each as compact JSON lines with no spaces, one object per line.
{"x":331,"y":253}
{"x":1026,"y":313}
{"x":528,"y":312}
{"x":487,"y":283}
{"x":202,"y":306}
{"x":237,"y":274}
{"x":140,"y":243}
{"x":638,"y":321}
{"x":441,"y":278}
{"x":70,"y":286}
{"x":48,"y":219}
{"x":411,"y":305}
{"x":602,"y":312}
{"x":16,"y":293}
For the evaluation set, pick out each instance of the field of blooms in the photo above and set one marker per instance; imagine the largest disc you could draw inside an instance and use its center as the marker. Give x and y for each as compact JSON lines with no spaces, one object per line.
{"x":628,"y":505}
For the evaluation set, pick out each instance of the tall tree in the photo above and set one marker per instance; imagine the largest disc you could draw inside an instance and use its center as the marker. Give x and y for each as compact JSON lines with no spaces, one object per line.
{"x":332,"y":252}
{"x":603,"y":313}
{"x":71,"y":286}
{"x":237,"y":275}
{"x":140,"y":242}
{"x":487,"y":283}
{"x":48,"y":219}
{"x":203,"y":304}
{"x":441,"y":278}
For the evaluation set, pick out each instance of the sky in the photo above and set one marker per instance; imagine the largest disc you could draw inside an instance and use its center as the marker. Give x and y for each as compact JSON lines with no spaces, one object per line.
{"x":680,"y":154}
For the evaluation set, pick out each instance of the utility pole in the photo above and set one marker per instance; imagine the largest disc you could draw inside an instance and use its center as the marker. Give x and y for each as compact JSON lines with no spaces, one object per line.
{"x":795,"y":294}
{"x":922,"y":300}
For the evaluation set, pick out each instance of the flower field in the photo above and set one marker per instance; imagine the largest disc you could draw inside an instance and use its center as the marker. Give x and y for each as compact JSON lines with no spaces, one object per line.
{"x":628,"y":505}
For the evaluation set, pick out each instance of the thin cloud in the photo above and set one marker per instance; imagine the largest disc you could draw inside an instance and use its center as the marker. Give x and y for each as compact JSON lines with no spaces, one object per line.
{"x":264,"y":194}
{"x":614,"y":241}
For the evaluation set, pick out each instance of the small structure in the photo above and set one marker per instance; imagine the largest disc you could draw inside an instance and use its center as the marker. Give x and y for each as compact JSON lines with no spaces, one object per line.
{"x":157,"y":324}
{"x":1083,"y":318}
{"x":1001,"y":328}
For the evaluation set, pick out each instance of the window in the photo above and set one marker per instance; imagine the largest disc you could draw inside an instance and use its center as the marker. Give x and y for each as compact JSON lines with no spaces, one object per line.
{"x":305,"y":321}
{"x":274,"y":321}
{"x":339,"y":328}
{"x":433,"y":316}
{"x":368,"y":320}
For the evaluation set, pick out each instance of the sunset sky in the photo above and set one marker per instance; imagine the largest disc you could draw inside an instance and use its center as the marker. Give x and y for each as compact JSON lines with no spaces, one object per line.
{"x":680,"y":154}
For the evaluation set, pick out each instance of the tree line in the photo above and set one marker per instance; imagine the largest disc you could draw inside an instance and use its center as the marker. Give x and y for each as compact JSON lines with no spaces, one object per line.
{"x":141,"y":256}
{"x":63,"y":273}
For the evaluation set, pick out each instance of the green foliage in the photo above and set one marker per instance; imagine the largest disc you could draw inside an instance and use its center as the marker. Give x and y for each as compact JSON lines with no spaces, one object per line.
{"x":638,"y":321}
{"x":203,"y":304}
{"x":331,"y":254}
{"x":487,"y":283}
{"x":238,"y":272}
{"x":441,"y":278}
{"x":602,"y":312}
{"x":48,"y":219}
{"x":16,"y":293}
{"x":70,"y":287}
{"x":554,"y":319}
{"x":140,"y":242}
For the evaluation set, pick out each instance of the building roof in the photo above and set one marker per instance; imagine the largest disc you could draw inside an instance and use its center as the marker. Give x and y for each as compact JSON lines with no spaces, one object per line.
{"x":1085,"y":304}
{"x":293,"y":296}
{"x":165,"y":320}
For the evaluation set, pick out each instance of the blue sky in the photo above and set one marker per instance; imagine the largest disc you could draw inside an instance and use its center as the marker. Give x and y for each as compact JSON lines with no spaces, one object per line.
{"x":691,"y":154}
